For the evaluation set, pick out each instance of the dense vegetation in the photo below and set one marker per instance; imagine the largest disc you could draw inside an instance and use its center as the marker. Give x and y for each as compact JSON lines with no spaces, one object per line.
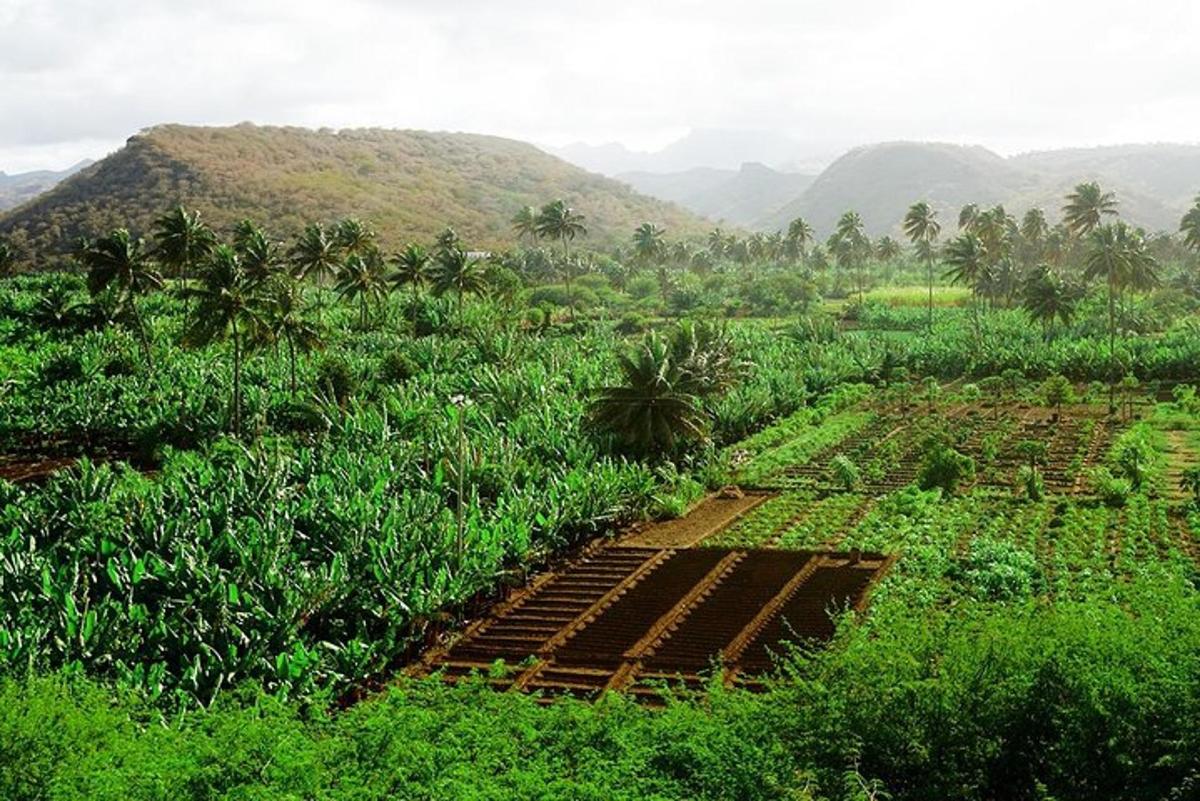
{"x":301,"y":460}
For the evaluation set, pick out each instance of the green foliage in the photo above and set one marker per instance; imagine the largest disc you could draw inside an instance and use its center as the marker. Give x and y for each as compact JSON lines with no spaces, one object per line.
{"x":945,"y":468}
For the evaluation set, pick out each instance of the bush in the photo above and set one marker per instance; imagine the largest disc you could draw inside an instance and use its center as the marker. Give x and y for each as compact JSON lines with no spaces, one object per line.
{"x":398,"y":366}
{"x":298,"y":417}
{"x":62,"y":367}
{"x":945,"y":468}
{"x":336,"y":380}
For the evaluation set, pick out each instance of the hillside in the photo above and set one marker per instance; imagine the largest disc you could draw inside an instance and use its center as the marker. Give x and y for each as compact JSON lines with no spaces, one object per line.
{"x":25,"y":186}
{"x":1154,"y":183}
{"x":740,"y":197}
{"x":408,"y":184}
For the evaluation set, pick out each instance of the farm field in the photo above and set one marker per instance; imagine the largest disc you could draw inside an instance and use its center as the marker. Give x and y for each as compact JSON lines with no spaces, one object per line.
{"x":313,"y":519}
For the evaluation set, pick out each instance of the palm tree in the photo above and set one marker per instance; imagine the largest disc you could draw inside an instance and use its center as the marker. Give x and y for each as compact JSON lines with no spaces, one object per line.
{"x":1047,"y":297}
{"x":285,"y":319}
{"x":1034,"y":227}
{"x":412,"y":270}
{"x":1118,"y":254}
{"x":1086,"y":208}
{"x":182,"y":241}
{"x":8,"y":259}
{"x":800,"y":234}
{"x":968,"y":260}
{"x":559,"y":221}
{"x":851,"y":246}
{"x":717,"y":243}
{"x":361,"y":278}
{"x":648,"y":243}
{"x":119,"y":261}
{"x":887,"y":249}
{"x":230,"y":304}
{"x":354,"y":237}
{"x":260,"y":256}
{"x":966,"y":216}
{"x":921,"y":226}
{"x":1190,"y":227}
{"x":455,"y":270}
{"x":524,"y":222}
{"x":315,"y":253}
{"x":649,"y":413}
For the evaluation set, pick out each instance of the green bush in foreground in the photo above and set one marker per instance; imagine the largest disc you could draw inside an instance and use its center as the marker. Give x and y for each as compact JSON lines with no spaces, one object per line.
{"x":1078,"y":700}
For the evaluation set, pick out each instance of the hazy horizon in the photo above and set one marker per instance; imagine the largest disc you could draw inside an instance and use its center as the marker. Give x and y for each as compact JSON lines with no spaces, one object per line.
{"x":79,"y":79}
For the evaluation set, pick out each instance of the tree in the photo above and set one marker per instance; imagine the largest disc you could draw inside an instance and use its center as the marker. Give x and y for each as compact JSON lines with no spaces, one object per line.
{"x":1118,"y":254}
{"x":922,"y":228}
{"x":967,"y":259}
{"x":1046,"y":297}
{"x":844,"y":471}
{"x":559,"y":221}
{"x":354,"y":237}
{"x":851,"y":248}
{"x":119,"y":262}
{"x":800,"y":234}
{"x":8,"y":259}
{"x":649,"y":245}
{"x":315,"y":254}
{"x":284,"y":319}
{"x":229,"y":305}
{"x":361,"y":278}
{"x":1057,"y":390}
{"x":1034,"y":453}
{"x":887,"y":249}
{"x":1190,"y":227}
{"x":649,"y":413}
{"x":525,"y":223}
{"x":456,"y":271}
{"x":945,"y":468}
{"x":1086,"y":208}
{"x":412,"y":269}
{"x":260,"y":256}
{"x":966,"y":216}
{"x":182,"y":241}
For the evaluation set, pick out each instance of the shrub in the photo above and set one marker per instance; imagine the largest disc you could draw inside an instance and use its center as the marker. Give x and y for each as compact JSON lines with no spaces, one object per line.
{"x":336,"y":380}
{"x":945,"y":468}
{"x":397,"y":366}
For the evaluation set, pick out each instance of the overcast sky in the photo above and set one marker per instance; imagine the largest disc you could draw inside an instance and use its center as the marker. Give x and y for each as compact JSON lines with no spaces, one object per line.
{"x":77,"y":77}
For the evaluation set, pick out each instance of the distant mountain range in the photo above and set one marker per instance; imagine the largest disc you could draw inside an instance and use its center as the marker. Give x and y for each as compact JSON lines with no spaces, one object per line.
{"x":24,"y":186}
{"x":408,"y":184}
{"x":748,"y":197}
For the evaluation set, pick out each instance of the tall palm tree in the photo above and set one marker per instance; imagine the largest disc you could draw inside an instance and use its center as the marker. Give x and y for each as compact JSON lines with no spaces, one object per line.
{"x":182,"y":241}
{"x":412,"y":269}
{"x":1034,"y":227}
{"x":1118,"y":254}
{"x":259,"y":254}
{"x":1086,"y":208}
{"x":921,"y":226}
{"x":852,"y":247}
{"x":361,"y":278}
{"x":456,"y":271}
{"x":1190,"y":227}
{"x":354,"y":237}
{"x":230,"y":304}
{"x":968,"y":261}
{"x":285,"y":319}
{"x":8,"y":259}
{"x":650,"y":413}
{"x":887,"y":249}
{"x":649,"y":245}
{"x":559,"y":221}
{"x":1046,"y":297}
{"x":524,"y":222}
{"x":800,"y":234}
{"x":966,"y":216}
{"x":717,"y":243}
{"x":119,"y":261}
{"x":315,"y":254}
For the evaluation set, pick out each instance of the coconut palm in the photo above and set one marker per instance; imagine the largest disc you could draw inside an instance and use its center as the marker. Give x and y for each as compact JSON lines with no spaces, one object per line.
{"x":119,"y":262}
{"x":1034,"y":227}
{"x":284,"y":319}
{"x":456,"y":271}
{"x":717,"y":243}
{"x":1190,"y":227}
{"x":315,"y":254}
{"x":649,"y":413}
{"x":887,"y":249}
{"x":230,"y":305}
{"x":966,"y":216}
{"x":1086,"y":208}
{"x":1046,"y":297}
{"x":968,"y":262}
{"x":361,"y":278}
{"x":182,"y":241}
{"x":412,"y":269}
{"x":851,"y":247}
{"x":524,"y":222}
{"x":8,"y":259}
{"x":559,"y":221}
{"x":649,"y":245}
{"x":800,"y":234}
{"x":921,"y":226}
{"x":1117,"y":254}
{"x":354,"y":237}
{"x":260,"y":256}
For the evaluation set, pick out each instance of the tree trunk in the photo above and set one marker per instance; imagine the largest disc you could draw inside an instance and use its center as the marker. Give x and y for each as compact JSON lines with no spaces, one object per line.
{"x":1112,"y":346}
{"x":237,"y":381}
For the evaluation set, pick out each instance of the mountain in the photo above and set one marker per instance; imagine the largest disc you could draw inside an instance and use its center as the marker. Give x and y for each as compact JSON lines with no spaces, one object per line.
{"x":713,"y":148}
{"x":408,"y":184}
{"x":1154,"y":183}
{"x":24,"y":186}
{"x":743,"y":197}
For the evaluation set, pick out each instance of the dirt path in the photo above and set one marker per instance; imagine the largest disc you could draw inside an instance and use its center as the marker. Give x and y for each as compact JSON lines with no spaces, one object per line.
{"x":712,"y":514}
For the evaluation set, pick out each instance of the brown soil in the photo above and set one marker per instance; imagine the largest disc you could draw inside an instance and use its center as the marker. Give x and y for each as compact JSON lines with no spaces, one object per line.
{"x":713,"y":514}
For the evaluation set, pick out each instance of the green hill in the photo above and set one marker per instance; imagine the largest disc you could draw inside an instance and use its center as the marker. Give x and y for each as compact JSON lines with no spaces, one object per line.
{"x":408,"y":184}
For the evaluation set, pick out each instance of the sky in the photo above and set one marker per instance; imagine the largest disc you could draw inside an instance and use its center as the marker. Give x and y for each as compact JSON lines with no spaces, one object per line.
{"x":79,"y":77}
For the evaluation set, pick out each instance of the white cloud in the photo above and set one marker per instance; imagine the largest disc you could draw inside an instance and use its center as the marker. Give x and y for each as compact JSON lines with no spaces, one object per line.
{"x":78,"y":77}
